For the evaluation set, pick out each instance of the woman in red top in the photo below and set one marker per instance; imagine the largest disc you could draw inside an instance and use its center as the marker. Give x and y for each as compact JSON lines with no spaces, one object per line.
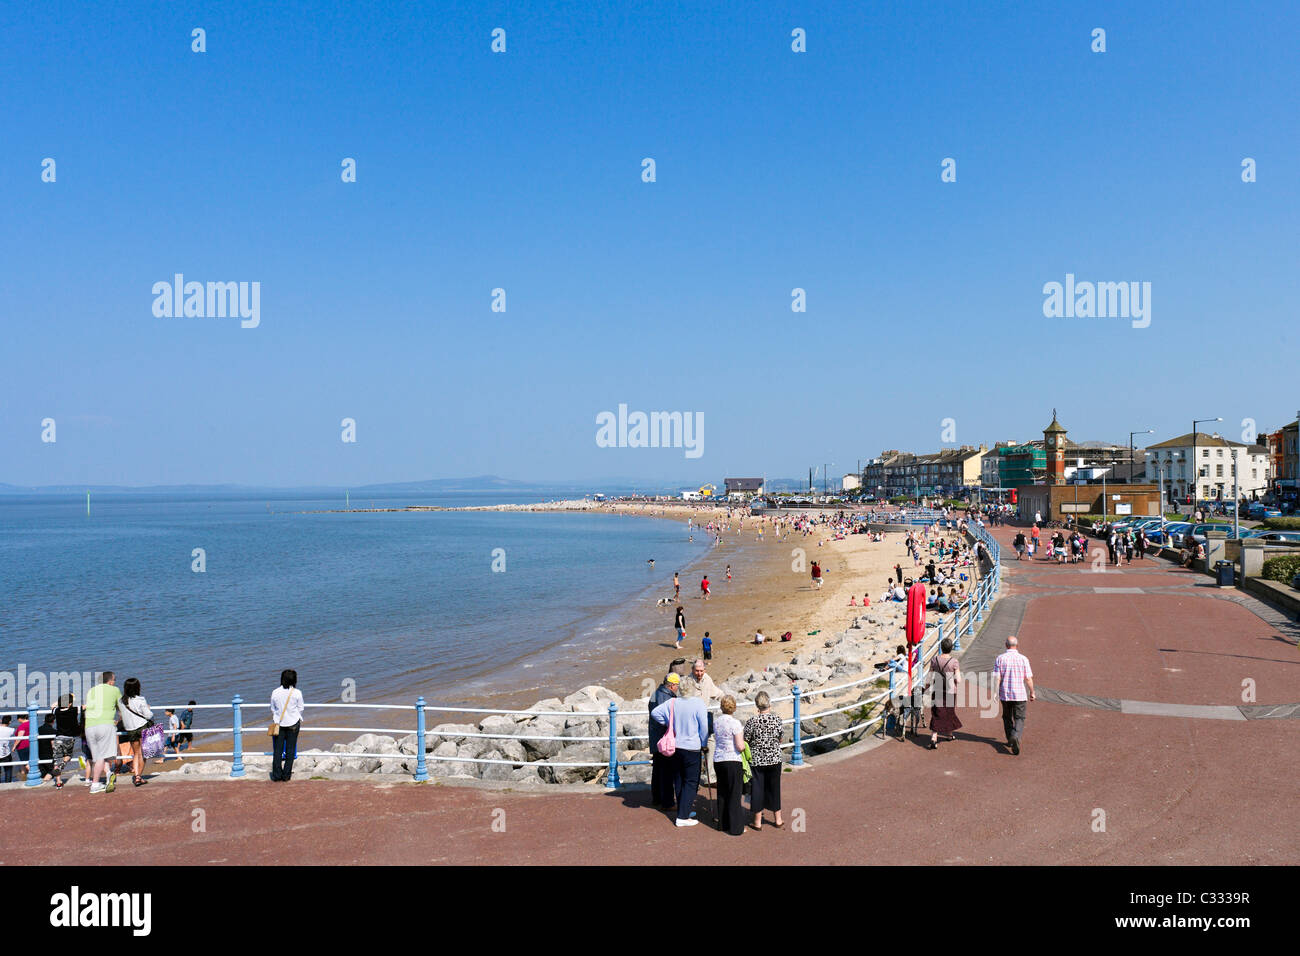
{"x":704,"y":586}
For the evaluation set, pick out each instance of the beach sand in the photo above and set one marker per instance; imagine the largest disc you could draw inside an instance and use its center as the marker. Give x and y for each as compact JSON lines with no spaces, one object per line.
{"x":766,"y":592}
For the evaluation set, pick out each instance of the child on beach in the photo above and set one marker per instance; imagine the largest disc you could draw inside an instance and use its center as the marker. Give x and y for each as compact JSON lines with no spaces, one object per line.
{"x":708,"y":647}
{"x":704,"y":587}
{"x":758,"y":636}
{"x":728,"y":572}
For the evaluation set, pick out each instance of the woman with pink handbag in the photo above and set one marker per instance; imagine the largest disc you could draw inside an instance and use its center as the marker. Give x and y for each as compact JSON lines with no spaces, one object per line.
{"x":687,"y":721}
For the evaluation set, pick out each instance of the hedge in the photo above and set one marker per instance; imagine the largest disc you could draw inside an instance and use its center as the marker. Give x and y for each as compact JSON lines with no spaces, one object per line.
{"x":1283,"y":524}
{"x":1282,"y":569}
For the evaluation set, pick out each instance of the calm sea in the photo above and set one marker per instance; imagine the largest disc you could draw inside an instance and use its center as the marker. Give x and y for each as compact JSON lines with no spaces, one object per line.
{"x":400,"y":603}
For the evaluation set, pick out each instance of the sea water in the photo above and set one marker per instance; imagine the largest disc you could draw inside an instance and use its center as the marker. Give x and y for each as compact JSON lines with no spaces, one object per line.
{"x":381,"y":606}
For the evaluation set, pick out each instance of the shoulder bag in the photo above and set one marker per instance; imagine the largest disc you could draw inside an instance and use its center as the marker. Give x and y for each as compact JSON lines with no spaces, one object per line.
{"x":274,"y":729}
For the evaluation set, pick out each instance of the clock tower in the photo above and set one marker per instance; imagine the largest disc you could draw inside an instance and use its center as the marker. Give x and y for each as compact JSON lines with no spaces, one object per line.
{"x":1054,"y":445}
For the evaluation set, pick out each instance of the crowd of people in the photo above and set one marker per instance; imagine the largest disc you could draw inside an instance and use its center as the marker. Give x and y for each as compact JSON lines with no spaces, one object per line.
{"x":746,"y":757}
{"x":114,"y":732}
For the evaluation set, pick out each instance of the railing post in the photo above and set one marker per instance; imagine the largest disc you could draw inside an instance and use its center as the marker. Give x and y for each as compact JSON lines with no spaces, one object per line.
{"x":237,"y":766}
{"x":796,"y":758}
{"x":611,"y":779}
{"x":34,"y":751}
{"x":421,"y":770}
{"x":979,"y":601}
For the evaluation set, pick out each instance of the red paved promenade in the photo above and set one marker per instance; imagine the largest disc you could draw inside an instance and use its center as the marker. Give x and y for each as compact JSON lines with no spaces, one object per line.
{"x":1217,"y":787}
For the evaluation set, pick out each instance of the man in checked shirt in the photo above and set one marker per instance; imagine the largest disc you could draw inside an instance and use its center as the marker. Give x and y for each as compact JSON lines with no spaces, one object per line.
{"x":1015,"y":689}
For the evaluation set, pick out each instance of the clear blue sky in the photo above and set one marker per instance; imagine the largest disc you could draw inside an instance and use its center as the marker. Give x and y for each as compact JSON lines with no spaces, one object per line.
{"x":818,"y":170}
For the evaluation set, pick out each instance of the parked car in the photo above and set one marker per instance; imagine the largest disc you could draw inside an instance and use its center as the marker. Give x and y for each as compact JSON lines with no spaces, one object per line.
{"x":1289,"y":537}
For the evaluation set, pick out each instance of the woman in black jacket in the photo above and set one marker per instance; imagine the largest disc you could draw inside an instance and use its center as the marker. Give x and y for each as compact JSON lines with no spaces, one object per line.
{"x":68,"y":728}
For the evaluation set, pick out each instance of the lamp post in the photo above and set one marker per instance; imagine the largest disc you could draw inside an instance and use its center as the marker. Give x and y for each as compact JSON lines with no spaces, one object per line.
{"x":1196,"y":465}
{"x":1149,"y":431}
{"x":1160,"y":475}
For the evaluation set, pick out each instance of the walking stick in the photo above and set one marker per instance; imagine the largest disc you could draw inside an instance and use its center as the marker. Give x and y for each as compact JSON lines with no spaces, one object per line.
{"x":713,"y":794}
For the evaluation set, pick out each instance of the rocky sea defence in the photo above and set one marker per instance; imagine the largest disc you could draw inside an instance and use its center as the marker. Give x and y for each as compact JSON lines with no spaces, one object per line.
{"x":533,"y":747}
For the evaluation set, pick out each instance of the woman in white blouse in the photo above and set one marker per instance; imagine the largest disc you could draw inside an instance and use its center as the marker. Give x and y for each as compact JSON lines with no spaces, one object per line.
{"x":286,"y":713}
{"x":729,"y":741}
{"x":135,"y":713}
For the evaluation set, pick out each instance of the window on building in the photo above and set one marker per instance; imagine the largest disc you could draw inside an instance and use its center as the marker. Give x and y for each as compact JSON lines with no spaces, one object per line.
{"x":1219,"y":452}
{"x":1218,"y":471}
{"x":1205,"y":453}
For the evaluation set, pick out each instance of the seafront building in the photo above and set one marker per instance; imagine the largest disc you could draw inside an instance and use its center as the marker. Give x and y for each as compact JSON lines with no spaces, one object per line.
{"x":949,"y":471}
{"x":1222,"y":466}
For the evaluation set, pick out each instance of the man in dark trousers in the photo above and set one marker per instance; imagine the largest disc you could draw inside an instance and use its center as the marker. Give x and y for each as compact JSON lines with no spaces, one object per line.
{"x":661,"y":768}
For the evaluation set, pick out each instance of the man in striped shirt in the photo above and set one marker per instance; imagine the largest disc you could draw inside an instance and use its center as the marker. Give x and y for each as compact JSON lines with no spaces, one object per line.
{"x":1015,"y":689}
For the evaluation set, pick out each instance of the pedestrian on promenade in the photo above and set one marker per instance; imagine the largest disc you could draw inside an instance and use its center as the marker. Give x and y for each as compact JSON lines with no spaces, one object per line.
{"x":661,"y":767}
{"x":1020,"y":545}
{"x":691,"y":731}
{"x":45,"y":746}
{"x":679,"y":624}
{"x":22,"y":752}
{"x":946,"y":676}
{"x":101,"y":731}
{"x":6,"y":749}
{"x":186,"y":723}
{"x":763,"y":734}
{"x":136,"y":716}
{"x":1015,"y":680}
{"x":287,"y":706}
{"x":67,"y":727}
{"x":729,"y":741}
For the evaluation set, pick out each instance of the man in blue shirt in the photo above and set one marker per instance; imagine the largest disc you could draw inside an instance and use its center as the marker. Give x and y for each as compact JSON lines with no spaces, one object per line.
{"x":690,"y":724}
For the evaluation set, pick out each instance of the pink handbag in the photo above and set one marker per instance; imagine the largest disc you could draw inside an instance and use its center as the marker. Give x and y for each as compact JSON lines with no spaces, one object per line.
{"x":668,"y":742}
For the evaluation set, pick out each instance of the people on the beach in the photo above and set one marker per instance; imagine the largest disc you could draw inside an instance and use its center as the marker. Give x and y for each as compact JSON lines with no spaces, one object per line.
{"x":1015,"y":686}
{"x":677,"y":586}
{"x":816,"y":574}
{"x":704,"y":587}
{"x":691,"y":732}
{"x":758,"y":636}
{"x":728,"y":572}
{"x":679,"y":625}
{"x":707,"y":646}
{"x":729,"y":741}
{"x":287,"y":707}
{"x":763,"y":734}
{"x":136,"y":716}
{"x":661,"y":767}
{"x":946,"y":676}
{"x":187,"y":722}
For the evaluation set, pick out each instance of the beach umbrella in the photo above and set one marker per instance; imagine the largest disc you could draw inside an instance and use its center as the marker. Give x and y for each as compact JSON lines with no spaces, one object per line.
{"x":915,"y":625}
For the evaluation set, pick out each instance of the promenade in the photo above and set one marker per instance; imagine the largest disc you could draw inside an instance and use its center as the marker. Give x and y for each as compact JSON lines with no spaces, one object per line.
{"x":1140,"y":718}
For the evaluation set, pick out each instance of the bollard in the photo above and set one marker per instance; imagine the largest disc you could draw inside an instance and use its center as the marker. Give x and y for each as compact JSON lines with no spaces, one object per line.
{"x":796,"y":758}
{"x":33,"y":753}
{"x":421,"y":769}
{"x":611,"y":780}
{"x":237,"y":766}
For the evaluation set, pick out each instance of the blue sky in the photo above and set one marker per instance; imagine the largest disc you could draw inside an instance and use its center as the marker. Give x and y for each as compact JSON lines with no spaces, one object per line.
{"x":522,"y":170}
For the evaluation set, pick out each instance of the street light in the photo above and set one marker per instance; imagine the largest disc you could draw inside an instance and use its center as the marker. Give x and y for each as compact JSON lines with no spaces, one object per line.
{"x":1160,"y":475}
{"x":1196,"y":465}
{"x":1149,"y":431}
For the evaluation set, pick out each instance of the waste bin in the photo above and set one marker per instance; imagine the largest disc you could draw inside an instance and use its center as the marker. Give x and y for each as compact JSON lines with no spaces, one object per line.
{"x":1226,"y":572}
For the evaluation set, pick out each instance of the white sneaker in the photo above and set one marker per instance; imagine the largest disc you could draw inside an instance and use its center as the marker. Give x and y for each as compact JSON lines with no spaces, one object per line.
{"x":98,"y":788}
{"x":688,"y":823}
